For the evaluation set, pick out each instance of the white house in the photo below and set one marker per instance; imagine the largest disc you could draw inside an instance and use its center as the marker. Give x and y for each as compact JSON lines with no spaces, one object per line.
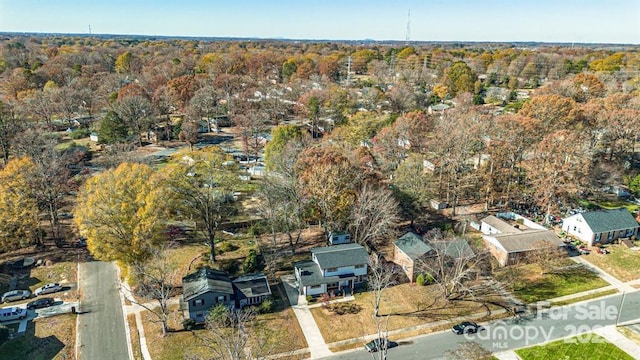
{"x":332,"y":269}
{"x":601,"y":226}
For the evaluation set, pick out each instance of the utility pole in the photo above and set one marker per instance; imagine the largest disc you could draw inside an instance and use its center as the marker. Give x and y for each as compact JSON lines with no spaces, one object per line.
{"x":408,"y":35}
{"x":349,"y":71}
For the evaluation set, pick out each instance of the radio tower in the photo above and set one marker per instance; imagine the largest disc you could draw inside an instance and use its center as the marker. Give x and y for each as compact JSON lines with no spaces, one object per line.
{"x":408,"y":37}
{"x":89,"y":29}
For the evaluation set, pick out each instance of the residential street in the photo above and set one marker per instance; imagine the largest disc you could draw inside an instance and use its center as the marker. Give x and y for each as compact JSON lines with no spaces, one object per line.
{"x":101,"y":328}
{"x":512,"y":334}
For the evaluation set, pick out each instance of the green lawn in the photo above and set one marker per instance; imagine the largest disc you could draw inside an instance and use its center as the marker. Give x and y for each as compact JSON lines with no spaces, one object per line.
{"x":622,"y":262}
{"x":587,"y":347}
{"x":533,"y":285}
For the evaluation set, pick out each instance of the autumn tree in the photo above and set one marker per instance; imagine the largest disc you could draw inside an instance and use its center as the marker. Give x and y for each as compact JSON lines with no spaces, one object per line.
{"x":201,"y":184}
{"x":555,"y":112}
{"x":329,"y":181}
{"x":121,"y":212}
{"x":413,"y":187}
{"x":281,"y":137}
{"x":135,"y":111}
{"x":18,"y":206}
{"x":459,"y":78}
{"x":9,"y":127}
{"x":559,"y":166}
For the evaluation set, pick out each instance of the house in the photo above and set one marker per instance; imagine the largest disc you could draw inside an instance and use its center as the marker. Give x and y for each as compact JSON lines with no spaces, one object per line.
{"x":601,"y":226}
{"x":332,"y":269}
{"x":410,"y":248}
{"x":407,"y":250}
{"x":207,"y":288}
{"x":251,"y":289}
{"x":204,"y":290}
{"x":510,"y":243}
{"x":336,"y":238}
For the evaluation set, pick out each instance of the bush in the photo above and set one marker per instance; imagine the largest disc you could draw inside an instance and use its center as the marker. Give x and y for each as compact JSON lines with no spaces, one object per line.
{"x":428,"y":279}
{"x":226,"y":246}
{"x":251,"y":262}
{"x":79,"y":134}
{"x":309,"y":298}
{"x":420,"y":280}
{"x":266,"y":306}
{"x":345,"y":308}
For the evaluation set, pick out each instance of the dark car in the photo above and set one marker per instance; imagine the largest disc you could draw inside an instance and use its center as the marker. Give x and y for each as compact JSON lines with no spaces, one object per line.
{"x":379,"y":344}
{"x":466,"y":327}
{"x":40,"y":303}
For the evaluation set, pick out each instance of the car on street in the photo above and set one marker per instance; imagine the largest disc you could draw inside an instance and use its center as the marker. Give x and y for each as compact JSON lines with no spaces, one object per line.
{"x":379,"y":344}
{"x":12,"y":313}
{"x":40,"y":303}
{"x":48,"y":289}
{"x":466,"y":327}
{"x":15,"y":295}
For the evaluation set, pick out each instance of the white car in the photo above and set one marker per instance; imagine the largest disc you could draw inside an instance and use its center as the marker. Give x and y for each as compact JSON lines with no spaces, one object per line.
{"x":48,"y":289}
{"x":16,"y":295}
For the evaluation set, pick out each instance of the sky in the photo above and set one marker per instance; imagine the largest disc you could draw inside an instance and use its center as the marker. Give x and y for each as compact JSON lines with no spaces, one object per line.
{"x":578,"y":21}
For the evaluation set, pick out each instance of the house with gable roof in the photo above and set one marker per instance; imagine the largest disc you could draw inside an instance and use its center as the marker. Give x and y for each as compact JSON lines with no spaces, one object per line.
{"x":410,"y":248}
{"x":332,"y":269}
{"x":601,"y":226}
{"x":510,"y":243}
{"x":207,"y":288}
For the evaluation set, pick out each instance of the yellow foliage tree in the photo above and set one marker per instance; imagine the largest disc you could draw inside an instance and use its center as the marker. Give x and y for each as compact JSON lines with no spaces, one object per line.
{"x":18,"y":208}
{"x":121,"y":213}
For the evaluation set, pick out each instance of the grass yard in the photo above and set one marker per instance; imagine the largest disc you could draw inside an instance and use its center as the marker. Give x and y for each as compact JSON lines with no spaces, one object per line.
{"x":575,"y":349}
{"x":281,"y":325}
{"x":51,"y":338}
{"x":586,"y":297}
{"x":409,"y":305}
{"x":622,"y":263}
{"x":531,"y":284}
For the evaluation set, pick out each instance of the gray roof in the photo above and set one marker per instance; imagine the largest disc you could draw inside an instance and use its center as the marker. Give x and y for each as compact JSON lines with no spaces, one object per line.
{"x":252,"y":285}
{"x":500,"y":225}
{"x":455,"y":248}
{"x":608,"y":220}
{"x":206,"y":280}
{"x":340,"y":255}
{"x":412,"y":245}
{"x":310,"y":274}
{"x":528,"y":240}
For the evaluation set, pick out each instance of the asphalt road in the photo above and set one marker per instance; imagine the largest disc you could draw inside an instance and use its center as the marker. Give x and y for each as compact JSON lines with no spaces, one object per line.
{"x":101,"y":329}
{"x":516,"y":333}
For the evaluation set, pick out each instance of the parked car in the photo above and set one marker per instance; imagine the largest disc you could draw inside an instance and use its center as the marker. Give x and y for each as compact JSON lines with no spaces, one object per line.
{"x":602,"y":250}
{"x":40,"y":303}
{"x":583,"y":250}
{"x":15,"y":295}
{"x":12,"y":313}
{"x":379,"y":344}
{"x":466,"y":327}
{"x":48,"y":289}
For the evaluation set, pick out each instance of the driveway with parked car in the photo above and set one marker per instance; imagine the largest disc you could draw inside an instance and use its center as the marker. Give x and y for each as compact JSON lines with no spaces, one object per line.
{"x":15,"y":295}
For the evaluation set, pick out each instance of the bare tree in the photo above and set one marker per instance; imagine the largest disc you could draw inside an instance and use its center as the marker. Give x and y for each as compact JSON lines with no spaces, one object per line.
{"x":374,"y":214}
{"x":283,"y":207}
{"x":135,"y":110}
{"x":381,"y":276}
{"x":234,"y":335}
{"x":451,"y":264}
{"x":155,"y":280}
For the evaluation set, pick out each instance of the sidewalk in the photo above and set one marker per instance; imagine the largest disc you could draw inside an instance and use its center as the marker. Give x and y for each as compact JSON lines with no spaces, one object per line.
{"x":317,"y":346}
{"x":613,"y":336}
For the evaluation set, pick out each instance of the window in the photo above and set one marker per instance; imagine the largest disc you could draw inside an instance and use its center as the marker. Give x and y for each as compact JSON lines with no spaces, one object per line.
{"x":222,"y":298}
{"x":359,"y":266}
{"x":332,"y":269}
{"x":198,"y":302}
{"x":315,"y":286}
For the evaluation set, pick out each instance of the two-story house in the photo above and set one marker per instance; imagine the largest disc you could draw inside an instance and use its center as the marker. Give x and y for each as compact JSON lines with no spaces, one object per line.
{"x":332,"y":269}
{"x":207,"y":288}
{"x":601,"y":226}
